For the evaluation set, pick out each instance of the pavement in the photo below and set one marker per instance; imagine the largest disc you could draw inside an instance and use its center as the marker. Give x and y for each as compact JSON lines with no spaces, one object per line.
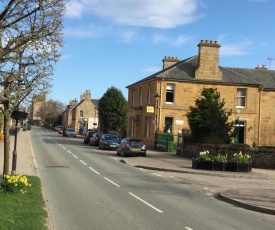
{"x":254,"y":191}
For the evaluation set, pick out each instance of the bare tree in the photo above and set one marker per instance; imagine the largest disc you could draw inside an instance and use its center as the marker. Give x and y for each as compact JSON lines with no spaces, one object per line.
{"x":30,"y":39}
{"x":50,"y":112}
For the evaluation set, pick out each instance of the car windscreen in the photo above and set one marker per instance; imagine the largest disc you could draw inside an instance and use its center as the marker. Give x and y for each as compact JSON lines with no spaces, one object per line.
{"x":111,"y":137}
{"x":135,"y":143}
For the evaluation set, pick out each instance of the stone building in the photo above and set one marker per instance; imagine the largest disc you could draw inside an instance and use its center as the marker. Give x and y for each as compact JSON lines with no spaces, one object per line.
{"x":37,"y":101}
{"x":81,"y":114}
{"x":165,"y":97}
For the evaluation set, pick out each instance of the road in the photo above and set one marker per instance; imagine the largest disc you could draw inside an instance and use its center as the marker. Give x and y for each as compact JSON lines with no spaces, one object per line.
{"x":88,"y":188}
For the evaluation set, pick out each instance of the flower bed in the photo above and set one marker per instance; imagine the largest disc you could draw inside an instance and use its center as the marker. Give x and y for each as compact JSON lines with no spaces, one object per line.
{"x":238,"y":163}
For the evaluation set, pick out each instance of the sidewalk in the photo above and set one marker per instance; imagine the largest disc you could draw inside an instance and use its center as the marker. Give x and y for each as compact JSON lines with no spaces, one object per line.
{"x":254,"y":191}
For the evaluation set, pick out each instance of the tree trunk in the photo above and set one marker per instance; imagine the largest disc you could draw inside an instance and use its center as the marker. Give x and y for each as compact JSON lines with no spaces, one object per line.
{"x":6,"y":138}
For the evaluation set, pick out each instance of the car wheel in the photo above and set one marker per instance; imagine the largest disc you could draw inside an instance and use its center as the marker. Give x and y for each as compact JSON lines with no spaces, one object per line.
{"x":117,"y":152}
{"x":144,"y":155}
{"x":123,"y":153}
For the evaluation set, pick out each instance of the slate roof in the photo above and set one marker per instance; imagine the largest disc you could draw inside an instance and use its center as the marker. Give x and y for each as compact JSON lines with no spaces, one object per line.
{"x":185,"y":71}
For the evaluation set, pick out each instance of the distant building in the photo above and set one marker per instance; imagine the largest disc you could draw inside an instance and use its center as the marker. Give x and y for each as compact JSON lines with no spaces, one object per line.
{"x":82,"y":114}
{"x":37,"y":101}
{"x":165,"y":97}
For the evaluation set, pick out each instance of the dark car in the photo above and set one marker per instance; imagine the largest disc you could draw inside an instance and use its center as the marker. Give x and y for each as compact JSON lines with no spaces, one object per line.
{"x":131,"y":147}
{"x":108,"y":141}
{"x":87,"y":137}
{"x":70,"y":132}
{"x":94,"y":140}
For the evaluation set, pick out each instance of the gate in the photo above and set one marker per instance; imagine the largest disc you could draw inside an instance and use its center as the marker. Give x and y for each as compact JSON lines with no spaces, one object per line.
{"x":167,"y":142}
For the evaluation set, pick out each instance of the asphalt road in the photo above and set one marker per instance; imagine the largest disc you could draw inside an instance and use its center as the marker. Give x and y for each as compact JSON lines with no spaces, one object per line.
{"x":88,"y":188}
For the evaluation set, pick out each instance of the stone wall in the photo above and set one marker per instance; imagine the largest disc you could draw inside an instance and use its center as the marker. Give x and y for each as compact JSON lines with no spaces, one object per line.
{"x":261,"y":158}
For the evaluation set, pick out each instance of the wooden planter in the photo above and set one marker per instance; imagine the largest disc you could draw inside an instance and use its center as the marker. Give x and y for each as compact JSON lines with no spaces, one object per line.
{"x":239,"y":167}
{"x":220,"y":166}
{"x":206,"y":165}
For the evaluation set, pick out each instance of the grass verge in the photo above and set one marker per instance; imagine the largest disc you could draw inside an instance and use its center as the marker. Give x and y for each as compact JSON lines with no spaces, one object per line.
{"x":24,"y":211}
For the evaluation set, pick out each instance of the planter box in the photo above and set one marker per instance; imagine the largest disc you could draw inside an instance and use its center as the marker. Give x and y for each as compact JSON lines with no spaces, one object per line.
{"x":206,"y":165}
{"x":220,"y":166}
{"x":240,"y":167}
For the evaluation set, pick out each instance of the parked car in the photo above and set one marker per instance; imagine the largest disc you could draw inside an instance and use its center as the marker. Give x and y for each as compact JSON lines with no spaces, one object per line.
{"x":70,"y":132}
{"x":58,"y":128}
{"x":94,"y":140}
{"x":131,"y":147}
{"x":87,"y":137}
{"x":108,"y":141}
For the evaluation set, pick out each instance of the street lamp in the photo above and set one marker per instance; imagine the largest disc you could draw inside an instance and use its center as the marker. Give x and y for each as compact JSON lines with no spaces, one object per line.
{"x":17,"y":115}
{"x":157,"y":96}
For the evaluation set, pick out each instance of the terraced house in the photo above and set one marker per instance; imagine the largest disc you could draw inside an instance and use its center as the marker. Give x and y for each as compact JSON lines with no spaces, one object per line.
{"x":82,"y":114}
{"x":165,"y":97}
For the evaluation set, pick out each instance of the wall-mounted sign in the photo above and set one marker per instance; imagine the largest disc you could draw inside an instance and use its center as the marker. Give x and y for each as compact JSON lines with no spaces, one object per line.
{"x":150,"y":109}
{"x":179,"y":122}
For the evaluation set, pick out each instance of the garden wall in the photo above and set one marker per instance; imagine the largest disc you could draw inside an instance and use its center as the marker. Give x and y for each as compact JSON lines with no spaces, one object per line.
{"x":261,"y":158}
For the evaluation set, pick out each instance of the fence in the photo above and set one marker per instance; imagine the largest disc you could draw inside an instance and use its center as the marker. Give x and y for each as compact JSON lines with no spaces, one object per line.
{"x":167,"y":142}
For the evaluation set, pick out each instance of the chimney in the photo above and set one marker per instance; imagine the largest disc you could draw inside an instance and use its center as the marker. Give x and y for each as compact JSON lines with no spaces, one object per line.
{"x":87,"y":95}
{"x":73,"y":102}
{"x":169,"y":61}
{"x":208,"y":63}
{"x":261,"y":67}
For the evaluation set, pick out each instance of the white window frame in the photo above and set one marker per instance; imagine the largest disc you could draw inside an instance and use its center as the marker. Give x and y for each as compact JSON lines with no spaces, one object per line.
{"x":149,"y":94}
{"x":140,"y":96}
{"x":170,"y":88}
{"x":241,"y":96}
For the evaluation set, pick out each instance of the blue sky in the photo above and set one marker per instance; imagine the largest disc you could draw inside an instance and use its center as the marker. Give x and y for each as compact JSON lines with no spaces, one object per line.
{"x":118,"y":42}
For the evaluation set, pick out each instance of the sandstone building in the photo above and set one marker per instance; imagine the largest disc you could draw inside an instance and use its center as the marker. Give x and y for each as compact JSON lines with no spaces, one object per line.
{"x":164,"y":97}
{"x":82,"y":114}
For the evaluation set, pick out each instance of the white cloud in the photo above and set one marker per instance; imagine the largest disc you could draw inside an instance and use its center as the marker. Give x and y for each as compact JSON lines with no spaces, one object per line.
{"x":140,"y":13}
{"x":182,"y":39}
{"x":157,"y":38}
{"x":233,"y":50}
{"x":151,"y":70}
{"x":75,"y":9}
{"x":127,"y":36}
{"x":81,"y":32}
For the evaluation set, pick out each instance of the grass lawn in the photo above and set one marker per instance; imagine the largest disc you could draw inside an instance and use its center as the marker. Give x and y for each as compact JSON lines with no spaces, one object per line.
{"x":24,"y":211}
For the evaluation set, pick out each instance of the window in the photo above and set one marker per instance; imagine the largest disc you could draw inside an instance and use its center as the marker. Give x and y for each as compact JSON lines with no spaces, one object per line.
{"x":133,"y":98}
{"x":81,"y":114}
{"x":140,"y":96}
{"x":241,"y":98}
{"x":170,"y":93}
{"x":149,"y":94}
{"x":168,"y":124}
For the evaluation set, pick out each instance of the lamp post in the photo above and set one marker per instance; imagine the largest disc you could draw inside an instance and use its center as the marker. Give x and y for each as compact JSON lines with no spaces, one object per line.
{"x":17,"y":115}
{"x":157,"y":96}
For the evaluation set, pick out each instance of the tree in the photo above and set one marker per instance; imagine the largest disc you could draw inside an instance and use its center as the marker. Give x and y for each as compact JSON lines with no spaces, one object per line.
{"x":208,"y":120}
{"x":50,"y":112}
{"x":112,"y":110}
{"x":30,"y":38}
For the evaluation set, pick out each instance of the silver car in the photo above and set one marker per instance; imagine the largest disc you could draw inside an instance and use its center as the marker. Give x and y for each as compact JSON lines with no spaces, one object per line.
{"x":70,"y":132}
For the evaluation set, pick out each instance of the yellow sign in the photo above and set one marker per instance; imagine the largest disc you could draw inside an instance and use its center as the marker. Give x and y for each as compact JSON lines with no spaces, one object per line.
{"x":150,"y":109}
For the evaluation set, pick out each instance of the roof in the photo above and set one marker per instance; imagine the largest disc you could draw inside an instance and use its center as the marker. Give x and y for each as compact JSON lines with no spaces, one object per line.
{"x":185,"y":71}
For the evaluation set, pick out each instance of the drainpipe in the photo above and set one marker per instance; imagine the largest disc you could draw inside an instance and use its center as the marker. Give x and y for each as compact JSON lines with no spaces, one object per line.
{"x":259,"y":121}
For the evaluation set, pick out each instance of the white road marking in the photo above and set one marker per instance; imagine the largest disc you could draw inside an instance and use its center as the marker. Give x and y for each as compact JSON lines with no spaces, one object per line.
{"x":188,"y":228}
{"x":69,"y":151}
{"x":111,"y":182}
{"x":94,"y":170}
{"x":82,"y":162}
{"x":153,"y":207}
{"x":206,"y":188}
{"x":75,"y":156}
{"x":157,"y":174}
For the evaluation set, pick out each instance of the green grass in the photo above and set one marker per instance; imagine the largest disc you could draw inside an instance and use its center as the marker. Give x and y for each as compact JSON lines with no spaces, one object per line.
{"x":23,"y":211}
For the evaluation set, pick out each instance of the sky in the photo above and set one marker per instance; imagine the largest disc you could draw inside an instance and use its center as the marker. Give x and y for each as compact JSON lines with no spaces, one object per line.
{"x":114,"y":43}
